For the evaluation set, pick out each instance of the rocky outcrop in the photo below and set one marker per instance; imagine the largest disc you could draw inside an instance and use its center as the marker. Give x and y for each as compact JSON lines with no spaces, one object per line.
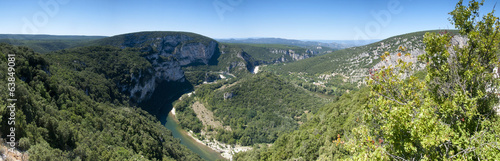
{"x":228,"y":95}
{"x":414,"y":52}
{"x":195,"y":53}
{"x":364,"y":58}
{"x":294,"y":56}
{"x":248,"y":60}
{"x":167,"y":53}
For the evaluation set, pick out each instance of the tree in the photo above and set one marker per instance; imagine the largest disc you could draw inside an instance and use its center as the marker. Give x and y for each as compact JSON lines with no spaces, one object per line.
{"x":449,"y":115}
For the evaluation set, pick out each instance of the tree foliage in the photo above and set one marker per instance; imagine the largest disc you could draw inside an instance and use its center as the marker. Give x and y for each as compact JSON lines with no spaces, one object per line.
{"x":447,"y":116}
{"x":320,"y":138}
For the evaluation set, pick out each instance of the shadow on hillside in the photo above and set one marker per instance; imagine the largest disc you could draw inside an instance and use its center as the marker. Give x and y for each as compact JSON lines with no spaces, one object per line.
{"x":162,"y":98}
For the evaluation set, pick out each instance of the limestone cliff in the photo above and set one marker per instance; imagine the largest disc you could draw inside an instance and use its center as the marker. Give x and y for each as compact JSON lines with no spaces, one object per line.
{"x":167,"y":52}
{"x":294,"y":56}
{"x":356,"y":66}
{"x":414,"y":52}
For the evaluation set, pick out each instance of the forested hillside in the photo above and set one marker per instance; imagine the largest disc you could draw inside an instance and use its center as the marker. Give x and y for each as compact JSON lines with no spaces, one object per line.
{"x":321,"y":138}
{"x":69,"y":110}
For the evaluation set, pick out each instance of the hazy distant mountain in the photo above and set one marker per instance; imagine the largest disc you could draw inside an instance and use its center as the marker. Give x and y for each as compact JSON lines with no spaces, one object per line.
{"x":48,"y":37}
{"x":46,"y":43}
{"x":299,"y":43}
{"x":351,"y":43}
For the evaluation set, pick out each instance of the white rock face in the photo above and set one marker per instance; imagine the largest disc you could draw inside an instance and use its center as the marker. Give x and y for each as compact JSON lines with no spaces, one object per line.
{"x":356,"y":69}
{"x":291,"y":53}
{"x":415,"y":52}
{"x":193,"y":52}
{"x":168,"y":55}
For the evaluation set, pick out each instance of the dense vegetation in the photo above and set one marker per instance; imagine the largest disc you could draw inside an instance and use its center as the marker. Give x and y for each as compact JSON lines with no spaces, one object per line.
{"x":320,"y":137}
{"x":186,"y":115}
{"x":101,"y":71}
{"x":335,"y":85}
{"x":57,"y":119}
{"x":258,"y":108}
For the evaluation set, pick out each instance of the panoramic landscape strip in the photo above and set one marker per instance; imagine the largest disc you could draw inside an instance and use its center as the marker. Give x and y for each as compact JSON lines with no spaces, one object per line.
{"x":249,"y":80}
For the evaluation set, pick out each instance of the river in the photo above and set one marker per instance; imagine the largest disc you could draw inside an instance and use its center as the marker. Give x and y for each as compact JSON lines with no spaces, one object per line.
{"x":202,"y":150}
{"x":160,"y":104}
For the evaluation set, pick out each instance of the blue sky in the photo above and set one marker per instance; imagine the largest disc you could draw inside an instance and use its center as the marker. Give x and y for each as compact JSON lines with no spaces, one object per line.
{"x":291,"y":19}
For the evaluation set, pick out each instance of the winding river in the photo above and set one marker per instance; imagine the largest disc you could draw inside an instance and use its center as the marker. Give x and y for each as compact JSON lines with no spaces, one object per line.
{"x":167,"y":119}
{"x":160,"y":104}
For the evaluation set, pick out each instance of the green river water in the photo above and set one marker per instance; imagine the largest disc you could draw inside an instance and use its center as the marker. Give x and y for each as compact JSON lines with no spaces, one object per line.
{"x":201,"y":149}
{"x":160,"y":104}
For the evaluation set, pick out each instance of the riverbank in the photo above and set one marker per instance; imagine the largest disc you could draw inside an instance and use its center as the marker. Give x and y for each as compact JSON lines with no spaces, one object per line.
{"x":201,"y":149}
{"x":227,"y":151}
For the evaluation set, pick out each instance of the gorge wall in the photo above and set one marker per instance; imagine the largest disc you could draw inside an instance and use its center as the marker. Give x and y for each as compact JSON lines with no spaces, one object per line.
{"x":167,"y":52}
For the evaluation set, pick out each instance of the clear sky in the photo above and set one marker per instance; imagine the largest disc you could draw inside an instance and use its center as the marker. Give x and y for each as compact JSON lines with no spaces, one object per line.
{"x":291,"y":19}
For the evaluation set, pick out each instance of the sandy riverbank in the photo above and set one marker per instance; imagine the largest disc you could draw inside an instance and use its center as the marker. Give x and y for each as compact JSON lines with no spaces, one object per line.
{"x":227,"y":151}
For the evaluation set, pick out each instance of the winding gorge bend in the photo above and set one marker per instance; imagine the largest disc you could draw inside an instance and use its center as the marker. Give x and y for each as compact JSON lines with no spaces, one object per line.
{"x":205,"y":152}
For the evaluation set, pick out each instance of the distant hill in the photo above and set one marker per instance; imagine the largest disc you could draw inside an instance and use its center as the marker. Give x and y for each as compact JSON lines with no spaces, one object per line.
{"x":48,"y":37}
{"x":145,"y":38}
{"x":46,"y":43}
{"x":351,"y":43}
{"x":312,"y":45}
